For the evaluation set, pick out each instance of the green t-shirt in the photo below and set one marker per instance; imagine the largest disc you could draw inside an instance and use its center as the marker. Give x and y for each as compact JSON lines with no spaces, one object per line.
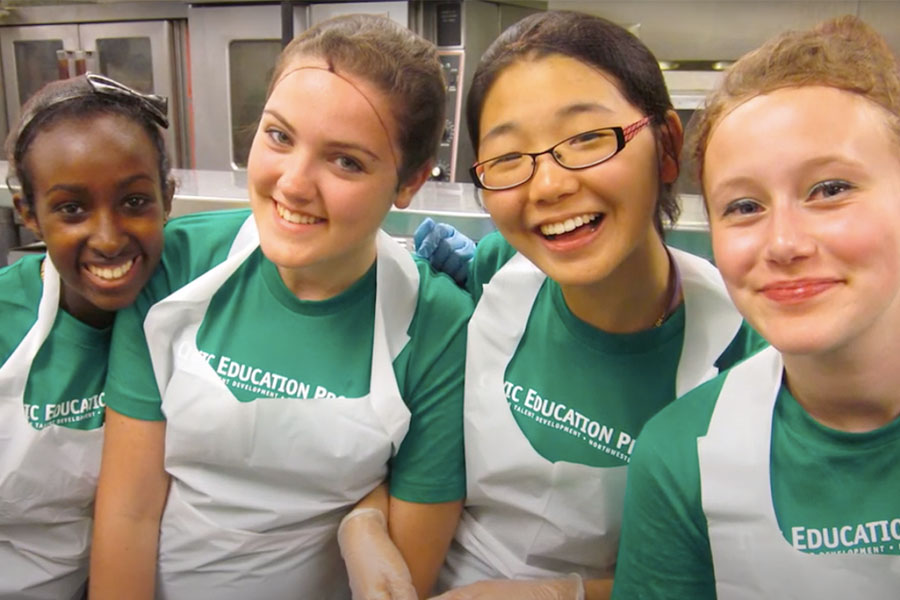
{"x":263,"y":341}
{"x":65,"y":380}
{"x":580,"y":394}
{"x":832,"y":491}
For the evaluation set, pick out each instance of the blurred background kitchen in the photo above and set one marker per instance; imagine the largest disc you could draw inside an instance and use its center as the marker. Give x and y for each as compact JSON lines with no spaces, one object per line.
{"x":213,"y":59}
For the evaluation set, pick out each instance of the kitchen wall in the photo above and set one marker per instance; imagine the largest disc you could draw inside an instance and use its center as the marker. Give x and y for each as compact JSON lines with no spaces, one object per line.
{"x":726,"y":29}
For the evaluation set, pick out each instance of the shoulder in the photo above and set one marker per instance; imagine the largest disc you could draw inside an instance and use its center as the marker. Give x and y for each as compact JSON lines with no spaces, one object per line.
{"x":21,"y":280}
{"x":664,"y":546}
{"x":204,"y":229}
{"x":440,"y":298}
{"x":20,"y":294}
{"x":194,"y":244}
{"x":674,"y":430}
{"x":491,"y":253}
{"x":437,"y":333}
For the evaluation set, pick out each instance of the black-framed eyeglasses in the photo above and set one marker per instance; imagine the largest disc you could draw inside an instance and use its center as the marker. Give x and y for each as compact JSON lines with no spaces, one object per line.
{"x":155,"y":106}
{"x":580,"y":151}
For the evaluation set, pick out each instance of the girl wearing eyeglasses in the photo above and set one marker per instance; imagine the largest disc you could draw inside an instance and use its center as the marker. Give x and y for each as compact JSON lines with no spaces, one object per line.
{"x":781,"y":478}
{"x":586,"y":324}
{"x":92,"y":181}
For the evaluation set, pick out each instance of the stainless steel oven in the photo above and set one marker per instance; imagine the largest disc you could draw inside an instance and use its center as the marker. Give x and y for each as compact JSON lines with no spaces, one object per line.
{"x":233,"y":49}
{"x":141,"y":45}
{"x":462,"y":31}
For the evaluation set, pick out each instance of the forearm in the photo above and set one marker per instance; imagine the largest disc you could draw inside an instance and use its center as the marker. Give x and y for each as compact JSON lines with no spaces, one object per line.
{"x":131,"y":494}
{"x":378,"y":499}
{"x":422,"y":533}
{"x":123,"y":560}
{"x":598,"y":589}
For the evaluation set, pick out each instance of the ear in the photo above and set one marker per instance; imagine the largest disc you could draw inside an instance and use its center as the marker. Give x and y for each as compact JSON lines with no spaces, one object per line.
{"x":27,"y":214}
{"x":409,"y":188}
{"x":168,"y":195}
{"x":671,"y":140}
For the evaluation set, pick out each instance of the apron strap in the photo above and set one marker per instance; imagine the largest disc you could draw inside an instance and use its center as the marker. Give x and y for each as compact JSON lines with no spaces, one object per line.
{"x":710,"y":320}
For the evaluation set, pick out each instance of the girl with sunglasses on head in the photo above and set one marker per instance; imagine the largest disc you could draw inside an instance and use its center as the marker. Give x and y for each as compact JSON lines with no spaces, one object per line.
{"x":586,"y":324}
{"x":781,"y":478}
{"x":284,"y":363}
{"x":90,"y":177}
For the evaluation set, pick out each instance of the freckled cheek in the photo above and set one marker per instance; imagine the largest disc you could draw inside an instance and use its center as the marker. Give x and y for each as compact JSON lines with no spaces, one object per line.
{"x":859,"y":242}
{"x":736,"y":253}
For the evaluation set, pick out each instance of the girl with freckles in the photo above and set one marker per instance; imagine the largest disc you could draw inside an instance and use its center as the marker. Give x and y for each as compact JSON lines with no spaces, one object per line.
{"x":781,"y":478}
{"x":90,"y":177}
{"x":287,"y":360}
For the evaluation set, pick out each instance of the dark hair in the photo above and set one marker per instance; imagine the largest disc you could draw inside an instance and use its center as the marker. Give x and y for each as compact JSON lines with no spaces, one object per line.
{"x":593,"y":41}
{"x":398,"y":62}
{"x":75,"y":99}
{"x":843,"y":53}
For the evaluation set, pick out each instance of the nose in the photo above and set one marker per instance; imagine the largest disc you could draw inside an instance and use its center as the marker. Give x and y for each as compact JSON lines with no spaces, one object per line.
{"x":551,"y":181}
{"x":296,"y":181}
{"x":789,"y":238}
{"x":108,"y":237}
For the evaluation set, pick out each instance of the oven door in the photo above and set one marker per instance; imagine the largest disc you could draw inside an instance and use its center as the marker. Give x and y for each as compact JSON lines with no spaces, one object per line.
{"x":233,"y":52}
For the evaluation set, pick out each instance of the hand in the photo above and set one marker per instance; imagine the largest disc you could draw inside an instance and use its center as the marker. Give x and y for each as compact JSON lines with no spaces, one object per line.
{"x":448,"y":250}
{"x":375,"y":567}
{"x":569,"y":588}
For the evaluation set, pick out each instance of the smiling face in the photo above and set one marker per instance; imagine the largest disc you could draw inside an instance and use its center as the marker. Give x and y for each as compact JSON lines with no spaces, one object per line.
{"x":579,"y":227}
{"x":803,"y":191}
{"x":100,"y":208}
{"x":322,"y":176}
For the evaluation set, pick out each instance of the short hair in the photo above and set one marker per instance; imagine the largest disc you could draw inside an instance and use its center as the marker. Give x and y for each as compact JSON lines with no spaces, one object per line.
{"x":595,"y":42}
{"x":76,"y":99}
{"x":843,"y":53}
{"x":402,"y":65}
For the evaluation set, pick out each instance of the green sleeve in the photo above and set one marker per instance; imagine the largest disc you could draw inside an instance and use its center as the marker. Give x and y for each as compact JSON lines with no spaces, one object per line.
{"x":492,"y":252}
{"x":130,"y":384}
{"x":745,"y":344}
{"x":430,"y":464}
{"x":20,"y":295}
{"x":193,"y":244}
{"x":664,"y":550}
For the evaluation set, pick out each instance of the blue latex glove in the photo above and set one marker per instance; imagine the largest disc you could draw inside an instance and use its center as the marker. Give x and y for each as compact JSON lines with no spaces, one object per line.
{"x":445,"y":248}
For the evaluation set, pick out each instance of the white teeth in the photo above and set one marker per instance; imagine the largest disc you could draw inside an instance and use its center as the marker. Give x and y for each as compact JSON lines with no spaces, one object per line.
{"x":110,"y":273}
{"x":568,"y":224}
{"x":293,"y":217}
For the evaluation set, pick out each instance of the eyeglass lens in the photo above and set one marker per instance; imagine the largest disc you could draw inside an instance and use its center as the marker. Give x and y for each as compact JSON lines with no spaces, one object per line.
{"x":582,"y":150}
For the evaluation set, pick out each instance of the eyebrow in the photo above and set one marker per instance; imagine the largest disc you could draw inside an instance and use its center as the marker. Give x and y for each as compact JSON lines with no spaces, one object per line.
{"x":732,"y":183}
{"x":563,"y":113}
{"x":332,"y":144}
{"x":812,"y":163}
{"x":830,"y":159}
{"x":74,"y":188}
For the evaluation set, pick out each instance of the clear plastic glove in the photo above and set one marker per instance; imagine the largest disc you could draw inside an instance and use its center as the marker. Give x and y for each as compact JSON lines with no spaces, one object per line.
{"x":569,"y":588}
{"x":375,"y":567}
{"x":445,"y":248}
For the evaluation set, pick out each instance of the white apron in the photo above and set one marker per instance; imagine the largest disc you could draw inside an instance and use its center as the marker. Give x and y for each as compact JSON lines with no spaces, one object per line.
{"x":48,"y":479}
{"x":751,"y":557}
{"x":258,"y":488}
{"x":527,"y":517}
